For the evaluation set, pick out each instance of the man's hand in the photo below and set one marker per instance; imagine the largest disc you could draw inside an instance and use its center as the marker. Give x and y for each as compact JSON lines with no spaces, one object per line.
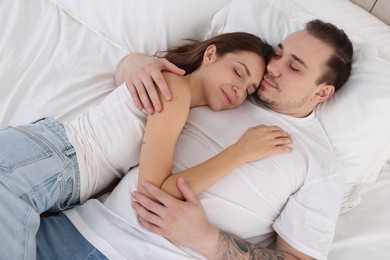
{"x":142,"y":74}
{"x":185,"y":223}
{"x":182,"y":222}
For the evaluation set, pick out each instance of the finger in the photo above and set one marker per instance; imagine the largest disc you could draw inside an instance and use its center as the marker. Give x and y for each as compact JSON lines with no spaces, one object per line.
{"x":283,"y":149}
{"x":146,"y":214}
{"x":149,"y":204}
{"x":140,"y":83}
{"x":134,"y":96}
{"x":283,"y":140}
{"x":186,"y":191}
{"x":143,"y":94}
{"x":159,"y":195}
{"x":162,"y":85}
{"x":279,"y":134}
{"x":150,"y":93}
{"x":169,"y":66}
{"x":149,"y":226}
{"x":268,"y":127}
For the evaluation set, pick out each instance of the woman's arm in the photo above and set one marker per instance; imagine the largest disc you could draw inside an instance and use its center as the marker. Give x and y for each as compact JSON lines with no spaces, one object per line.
{"x":161,"y":133}
{"x":255,"y":144}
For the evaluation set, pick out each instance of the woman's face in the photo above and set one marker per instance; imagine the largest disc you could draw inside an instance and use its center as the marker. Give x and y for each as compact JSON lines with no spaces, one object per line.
{"x":229,"y":79}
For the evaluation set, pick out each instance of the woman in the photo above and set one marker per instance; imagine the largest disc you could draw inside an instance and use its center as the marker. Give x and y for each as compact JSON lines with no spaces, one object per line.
{"x":80,"y":158}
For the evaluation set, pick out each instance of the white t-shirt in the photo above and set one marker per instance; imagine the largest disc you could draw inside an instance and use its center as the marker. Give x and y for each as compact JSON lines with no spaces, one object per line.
{"x":107,"y":138}
{"x":298,"y":195}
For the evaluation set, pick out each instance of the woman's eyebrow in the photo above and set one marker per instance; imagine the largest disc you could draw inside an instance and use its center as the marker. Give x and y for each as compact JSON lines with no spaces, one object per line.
{"x":246,"y":68}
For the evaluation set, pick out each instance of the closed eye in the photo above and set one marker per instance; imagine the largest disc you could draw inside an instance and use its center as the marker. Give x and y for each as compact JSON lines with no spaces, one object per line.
{"x":277,"y":53}
{"x":237,"y":73}
{"x":277,"y":56}
{"x":294,"y":69}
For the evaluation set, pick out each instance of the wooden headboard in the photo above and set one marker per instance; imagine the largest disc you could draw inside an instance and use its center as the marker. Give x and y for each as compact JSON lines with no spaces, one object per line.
{"x":378,"y":8}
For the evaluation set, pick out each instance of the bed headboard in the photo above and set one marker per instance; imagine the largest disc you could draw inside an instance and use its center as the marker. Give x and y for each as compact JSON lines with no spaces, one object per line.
{"x":378,"y":8}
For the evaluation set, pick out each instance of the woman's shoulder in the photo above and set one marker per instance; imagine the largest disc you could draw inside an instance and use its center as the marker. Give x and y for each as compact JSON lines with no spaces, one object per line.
{"x":172,"y":77}
{"x":178,"y":85}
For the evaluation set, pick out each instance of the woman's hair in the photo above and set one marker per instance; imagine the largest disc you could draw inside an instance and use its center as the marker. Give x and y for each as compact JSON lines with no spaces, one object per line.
{"x":190,"y":56}
{"x":340,"y":63}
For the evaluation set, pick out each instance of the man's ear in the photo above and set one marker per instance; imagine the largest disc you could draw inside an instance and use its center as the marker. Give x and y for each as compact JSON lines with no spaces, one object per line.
{"x":325,"y":92}
{"x":210,"y":54}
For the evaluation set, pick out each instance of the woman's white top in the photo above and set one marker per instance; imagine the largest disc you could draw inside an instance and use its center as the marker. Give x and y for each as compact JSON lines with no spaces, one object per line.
{"x":107,"y":138}
{"x":298,"y":195}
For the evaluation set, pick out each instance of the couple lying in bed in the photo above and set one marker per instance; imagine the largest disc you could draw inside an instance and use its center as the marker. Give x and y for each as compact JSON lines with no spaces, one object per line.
{"x":296,"y":192}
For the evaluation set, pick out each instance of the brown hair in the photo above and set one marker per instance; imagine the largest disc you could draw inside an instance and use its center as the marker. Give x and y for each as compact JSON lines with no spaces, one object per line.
{"x":190,"y":56}
{"x":340,"y":63}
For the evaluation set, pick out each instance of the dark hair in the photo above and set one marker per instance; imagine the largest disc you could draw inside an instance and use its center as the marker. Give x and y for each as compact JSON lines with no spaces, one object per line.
{"x":340,"y":63}
{"x":190,"y":56}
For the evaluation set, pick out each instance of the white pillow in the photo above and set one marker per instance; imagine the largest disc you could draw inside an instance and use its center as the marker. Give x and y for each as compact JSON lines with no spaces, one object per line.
{"x":144,"y":25}
{"x":354,"y":20}
{"x":357,"y":118}
{"x":357,"y":121}
{"x":272,"y":20}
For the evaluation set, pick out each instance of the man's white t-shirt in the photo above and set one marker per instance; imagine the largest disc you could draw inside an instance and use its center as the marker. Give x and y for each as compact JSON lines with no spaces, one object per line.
{"x":298,"y":195}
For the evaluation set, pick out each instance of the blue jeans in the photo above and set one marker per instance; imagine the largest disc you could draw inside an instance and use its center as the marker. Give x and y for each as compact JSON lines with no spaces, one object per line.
{"x":57,"y":238}
{"x":38,"y":173}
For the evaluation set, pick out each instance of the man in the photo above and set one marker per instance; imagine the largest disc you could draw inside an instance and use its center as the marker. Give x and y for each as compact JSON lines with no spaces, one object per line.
{"x":307,"y":68}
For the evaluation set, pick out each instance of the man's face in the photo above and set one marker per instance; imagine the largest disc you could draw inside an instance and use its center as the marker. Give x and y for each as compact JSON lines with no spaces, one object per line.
{"x":289,"y":84}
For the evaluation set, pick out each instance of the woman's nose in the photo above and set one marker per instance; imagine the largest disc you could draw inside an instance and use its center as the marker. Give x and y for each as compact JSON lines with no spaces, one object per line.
{"x":239,"y":90}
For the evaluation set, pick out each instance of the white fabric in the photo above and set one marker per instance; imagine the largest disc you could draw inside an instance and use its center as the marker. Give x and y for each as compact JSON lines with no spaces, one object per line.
{"x":50,"y":65}
{"x":358,"y":23}
{"x":256,"y":194}
{"x":145,"y":26}
{"x":107,"y":138}
{"x":364,"y":101}
{"x":112,"y":227}
{"x":363,"y":233}
{"x":362,"y":153}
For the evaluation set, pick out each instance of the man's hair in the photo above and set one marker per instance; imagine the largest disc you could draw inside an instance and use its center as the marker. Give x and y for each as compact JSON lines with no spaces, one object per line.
{"x":190,"y":56}
{"x":340,"y":63}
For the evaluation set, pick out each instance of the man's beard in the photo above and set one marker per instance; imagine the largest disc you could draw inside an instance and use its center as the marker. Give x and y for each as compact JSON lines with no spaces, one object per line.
{"x":286,"y":105}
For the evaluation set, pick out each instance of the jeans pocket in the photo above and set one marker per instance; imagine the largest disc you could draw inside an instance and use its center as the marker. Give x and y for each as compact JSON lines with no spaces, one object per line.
{"x":19,"y":148}
{"x":66,"y":193}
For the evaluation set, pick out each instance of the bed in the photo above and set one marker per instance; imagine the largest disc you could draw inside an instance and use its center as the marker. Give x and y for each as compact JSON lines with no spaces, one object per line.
{"x":58,"y":57}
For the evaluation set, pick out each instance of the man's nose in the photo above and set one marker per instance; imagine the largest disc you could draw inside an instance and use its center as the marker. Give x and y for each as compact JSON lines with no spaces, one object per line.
{"x":273,"y":67}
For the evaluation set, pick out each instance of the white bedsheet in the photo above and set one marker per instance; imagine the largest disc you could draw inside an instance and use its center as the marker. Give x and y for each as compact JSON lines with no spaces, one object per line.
{"x":51,"y":65}
{"x":364,"y":232}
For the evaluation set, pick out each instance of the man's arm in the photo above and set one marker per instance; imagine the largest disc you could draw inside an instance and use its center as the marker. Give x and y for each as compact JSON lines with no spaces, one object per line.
{"x":232,"y":247}
{"x":175,"y":220}
{"x":142,"y":74}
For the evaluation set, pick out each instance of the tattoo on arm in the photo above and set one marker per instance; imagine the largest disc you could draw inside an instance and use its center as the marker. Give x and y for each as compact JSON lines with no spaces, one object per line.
{"x":233,"y":247}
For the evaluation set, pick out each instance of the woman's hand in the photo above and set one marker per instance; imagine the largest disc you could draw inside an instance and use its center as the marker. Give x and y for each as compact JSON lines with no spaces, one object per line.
{"x":142,"y":74}
{"x":261,"y":141}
